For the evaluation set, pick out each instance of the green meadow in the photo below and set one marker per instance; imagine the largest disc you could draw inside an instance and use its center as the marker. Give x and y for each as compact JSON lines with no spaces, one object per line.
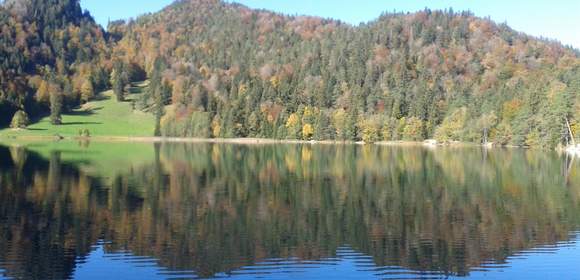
{"x":103,"y":116}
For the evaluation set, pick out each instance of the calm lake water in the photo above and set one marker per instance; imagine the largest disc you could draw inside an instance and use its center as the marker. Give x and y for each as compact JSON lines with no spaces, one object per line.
{"x":182,"y":211}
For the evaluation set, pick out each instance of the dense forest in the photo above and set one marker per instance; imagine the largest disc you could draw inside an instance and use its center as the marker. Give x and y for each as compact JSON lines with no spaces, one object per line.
{"x":52,"y":56}
{"x":219,"y":69}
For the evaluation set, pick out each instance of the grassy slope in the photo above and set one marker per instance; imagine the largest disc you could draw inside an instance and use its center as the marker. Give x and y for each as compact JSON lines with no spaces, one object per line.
{"x":102,"y":117}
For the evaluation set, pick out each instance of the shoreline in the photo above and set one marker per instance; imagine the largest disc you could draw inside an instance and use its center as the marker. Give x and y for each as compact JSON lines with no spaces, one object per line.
{"x":239,"y":141}
{"x":153,"y":139}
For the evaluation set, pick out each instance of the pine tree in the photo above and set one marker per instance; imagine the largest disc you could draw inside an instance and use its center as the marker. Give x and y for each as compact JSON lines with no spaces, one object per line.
{"x":160,"y":92}
{"x":119,"y":80}
{"x":55,"y":107}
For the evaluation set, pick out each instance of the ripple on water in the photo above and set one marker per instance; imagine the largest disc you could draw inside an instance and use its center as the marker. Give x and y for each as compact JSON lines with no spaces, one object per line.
{"x":346,"y":262}
{"x":558,"y":261}
{"x":101,"y":263}
{"x":353,"y":263}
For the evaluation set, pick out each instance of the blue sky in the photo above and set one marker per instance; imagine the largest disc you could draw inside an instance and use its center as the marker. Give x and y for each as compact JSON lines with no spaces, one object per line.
{"x":556,"y":19}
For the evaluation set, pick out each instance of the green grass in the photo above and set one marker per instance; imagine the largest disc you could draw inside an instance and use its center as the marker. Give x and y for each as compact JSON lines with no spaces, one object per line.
{"x":103,"y":116}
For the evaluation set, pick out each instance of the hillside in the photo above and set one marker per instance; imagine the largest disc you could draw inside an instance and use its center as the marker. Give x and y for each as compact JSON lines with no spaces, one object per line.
{"x":52,"y":57}
{"x":223,"y":70}
{"x":254,"y":73}
{"x":101,"y":117}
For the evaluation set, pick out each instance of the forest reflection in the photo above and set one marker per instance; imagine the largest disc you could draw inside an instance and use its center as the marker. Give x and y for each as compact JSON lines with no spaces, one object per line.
{"x":214,"y":208}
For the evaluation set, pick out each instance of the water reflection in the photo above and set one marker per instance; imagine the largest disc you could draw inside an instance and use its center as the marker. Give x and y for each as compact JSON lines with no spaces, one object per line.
{"x":209,"y":210}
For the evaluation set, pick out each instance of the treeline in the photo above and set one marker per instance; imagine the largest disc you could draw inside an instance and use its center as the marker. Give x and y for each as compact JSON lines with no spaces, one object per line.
{"x":223,"y":70}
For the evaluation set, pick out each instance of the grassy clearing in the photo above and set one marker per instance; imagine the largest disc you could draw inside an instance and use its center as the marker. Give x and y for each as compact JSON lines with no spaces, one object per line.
{"x":103,"y":116}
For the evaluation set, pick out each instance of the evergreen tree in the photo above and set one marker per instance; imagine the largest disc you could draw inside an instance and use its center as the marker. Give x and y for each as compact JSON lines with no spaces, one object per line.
{"x":159,"y":91}
{"x":55,"y":107}
{"x":119,"y":80}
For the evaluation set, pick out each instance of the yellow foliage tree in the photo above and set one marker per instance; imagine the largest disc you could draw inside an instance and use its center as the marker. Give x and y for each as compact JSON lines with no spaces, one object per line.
{"x":242,"y":89}
{"x":307,"y":131}
{"x":339,"y":120}
{"x":413,"y":129}
{"x":511,"y":108}
{"x":293,"y":126}
{"x":87,"y":90}
{"x":370,"y":130}
{"x":452,"y":126}
{"x":216,"y":128}
{"x":292,"y":121}
{"x":20,"y":120}
{"x":275,"y":82}
{"x":308,"y":114}
{"x":42,"y":93}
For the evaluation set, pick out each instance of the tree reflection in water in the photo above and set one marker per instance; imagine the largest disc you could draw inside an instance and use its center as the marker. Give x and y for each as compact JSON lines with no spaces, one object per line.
{"x":214,"y":208}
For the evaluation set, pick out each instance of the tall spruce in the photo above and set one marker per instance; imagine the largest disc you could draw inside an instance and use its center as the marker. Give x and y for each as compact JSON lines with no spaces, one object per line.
{"x":119,"y":80}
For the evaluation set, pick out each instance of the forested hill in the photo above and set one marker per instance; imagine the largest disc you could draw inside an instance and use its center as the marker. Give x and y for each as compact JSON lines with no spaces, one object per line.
{"x":50,"y":50}
{"x":253,"y":73}
{"x":223,"y":70}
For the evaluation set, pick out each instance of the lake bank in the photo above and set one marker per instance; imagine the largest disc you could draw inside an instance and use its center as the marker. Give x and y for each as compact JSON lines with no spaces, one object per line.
{"x":241,"y":141}
{"x":152,"y":139}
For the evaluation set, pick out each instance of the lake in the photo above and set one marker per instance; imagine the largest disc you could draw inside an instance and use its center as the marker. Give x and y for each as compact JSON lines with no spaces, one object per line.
{"x":180,"y":211}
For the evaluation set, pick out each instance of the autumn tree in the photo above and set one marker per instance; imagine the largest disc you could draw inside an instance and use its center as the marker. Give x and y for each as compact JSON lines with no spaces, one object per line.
{"x":293,"y":125}
{"x":307,"y":131}
{"x":485,"y":123}
{"x":452,"y":126}
{"x":413,"y":129}
{"x":19,"y":120}
{"x":87,"y":90}
{"x":371,"y":129}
